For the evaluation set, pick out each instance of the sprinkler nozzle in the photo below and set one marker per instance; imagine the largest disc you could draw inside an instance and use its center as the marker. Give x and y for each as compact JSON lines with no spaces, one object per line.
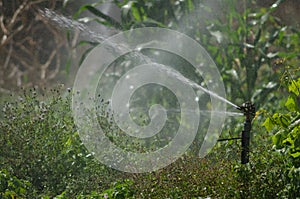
{"x":248,"y":109}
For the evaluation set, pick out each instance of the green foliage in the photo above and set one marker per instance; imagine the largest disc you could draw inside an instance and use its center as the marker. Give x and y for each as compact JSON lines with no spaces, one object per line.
{"x":188,"y":177}
{"x":218,"y":177}
{"x":78,"y":176}
{"x":248,"y":45}
{"x":39,"y":143}
{"x":287,"y":125}
{"x":264,"y":177}
{"x":119,"y":190}
{"x":244,"y":45}
{"x":245,"y":42}
{"x":11,"y":186}
{"x":34,"y":137}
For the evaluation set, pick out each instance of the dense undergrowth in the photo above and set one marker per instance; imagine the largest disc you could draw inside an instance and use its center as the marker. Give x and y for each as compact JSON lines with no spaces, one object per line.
{"x":42,"y":156}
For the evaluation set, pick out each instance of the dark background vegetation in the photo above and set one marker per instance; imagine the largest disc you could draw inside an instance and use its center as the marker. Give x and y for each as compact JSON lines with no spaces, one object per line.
{"x":256,"y":46}
{"x":34,"y":51}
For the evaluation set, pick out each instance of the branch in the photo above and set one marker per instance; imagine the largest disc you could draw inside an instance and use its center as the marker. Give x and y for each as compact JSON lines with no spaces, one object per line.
{"x":46,"y":65}
{"x":16,"y":13}
{"x":8,"y":56}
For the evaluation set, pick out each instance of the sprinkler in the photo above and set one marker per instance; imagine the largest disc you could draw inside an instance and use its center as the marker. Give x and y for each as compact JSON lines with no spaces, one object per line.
{"x":249,"y":111}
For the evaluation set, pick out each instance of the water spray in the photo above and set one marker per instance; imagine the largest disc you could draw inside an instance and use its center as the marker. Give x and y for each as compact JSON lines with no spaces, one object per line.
{"x":149,"y":72}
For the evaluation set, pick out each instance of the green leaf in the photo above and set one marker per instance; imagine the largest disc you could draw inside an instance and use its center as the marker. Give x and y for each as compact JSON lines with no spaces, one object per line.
{"x":151,"y":22}
{"x":276,"y":119}
{"x":295,"y":134}
{"x":268,"y":124}
{"x":191,"y":5}
{"x":109,"y":19}
{"x":294,"y":86}
{"x":84,"y":42}
{"x":284,"y":120}
{"x":291,"y":103}
{"x":138,"y":13}
{"x":288,"y":141}
{"x":296,"y":154}
{"x":277,"y":139}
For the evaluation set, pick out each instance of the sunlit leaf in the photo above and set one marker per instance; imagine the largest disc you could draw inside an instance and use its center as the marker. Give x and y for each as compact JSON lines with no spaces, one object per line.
{"x":288,"y":141}
{"x":84,"y":42}
{"x":291,"y":103}
{"x":284,"y":120}
{"x":268,"y":124}
{"x":296,"y":154}
{"x":271,"y":55}
{"x":276,"y":118}
{"x":138,"y":13}
{"x":151,"y":22}
{"x":294,"y":86}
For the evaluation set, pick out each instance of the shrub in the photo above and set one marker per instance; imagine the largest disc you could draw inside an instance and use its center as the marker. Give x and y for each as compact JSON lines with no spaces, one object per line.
{"x":11,"y":186}
{"x":39,"y":143}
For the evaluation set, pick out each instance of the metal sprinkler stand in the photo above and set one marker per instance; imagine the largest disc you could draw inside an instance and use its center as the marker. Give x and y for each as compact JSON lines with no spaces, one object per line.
{"x":249,"y":111}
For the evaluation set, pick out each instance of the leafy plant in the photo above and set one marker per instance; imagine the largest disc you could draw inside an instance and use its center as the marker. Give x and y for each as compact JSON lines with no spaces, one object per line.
{"x":119,"y":190}
{"x":287,"y":137}
{"x":247,"y":44}
{"x":286,"y":126}
{"x":11,"y":186}
{"x":40,"y":144}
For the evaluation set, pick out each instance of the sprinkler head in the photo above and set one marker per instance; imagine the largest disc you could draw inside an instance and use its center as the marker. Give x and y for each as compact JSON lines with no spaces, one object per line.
{"x":248,"y":109}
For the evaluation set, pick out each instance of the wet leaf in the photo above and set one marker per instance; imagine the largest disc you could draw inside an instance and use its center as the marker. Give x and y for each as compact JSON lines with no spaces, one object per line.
{"x":291,"y":103}
{"x":294,"y":86}
{"x":295,"y":155}
{"x":268,"y":124}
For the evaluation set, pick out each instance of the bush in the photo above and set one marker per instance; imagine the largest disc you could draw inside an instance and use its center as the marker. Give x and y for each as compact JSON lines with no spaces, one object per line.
{"x":285,"y":124}
{"x":11,"y":186}
{"x":39,"y":143}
